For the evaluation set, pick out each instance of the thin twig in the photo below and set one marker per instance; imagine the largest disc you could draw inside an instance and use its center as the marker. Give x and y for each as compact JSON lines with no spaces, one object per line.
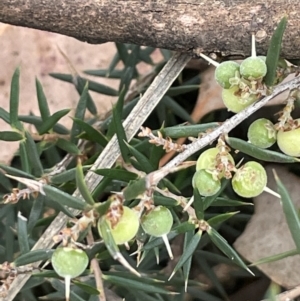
{"x":288,"y":295}
{"x":96,"y":269}
{"x":110,"y":154}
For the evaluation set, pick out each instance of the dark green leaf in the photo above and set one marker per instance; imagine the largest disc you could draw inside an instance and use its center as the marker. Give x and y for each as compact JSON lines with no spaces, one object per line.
{"x":93,"y":86}
{"x":24,"y":157}
{"x":23,"y":234}
{"x":81,"y":185}
{"x":67,"y":146}
{"x":117,"y":174}
{"x":178,"y":131}
{"x":259,"y":153}
{"x":37,"y":121}
{"x":64,"y":198}
{"x":51,"y":121}
{"x":223,"y":245}
{"x":275,"y":257}
{"x":134,"y":189}
{"x":220,"y":201}
{"x":119,"y":129}
{"x":14,"y":101}
{"x":141,"y":159}
{"x":164,"y":201}
{"x":42,"y":100}
{"x":16,"y":172}
{"x":117,"y":74}
{"x":66,"y":176}
{"x":11,"y":136}
{"x":33,"y":156}
{"x":186,"y":267}
{"x":35,"y":212}
{"x":188,"y":251}
{"x":4,"y":115}
{"x":176,"y":108}
{"x":220,"y":218}
{"x":175,"y":91}
{"x":274,"y":52}
{"x":86,"y":288}
{"x":34,"y":256}
{"x":137,"y":284}
{"x":79,"y":113}
{"x":92,"y":133}
{"x":290,"y":212}
{"x":198,"y":204}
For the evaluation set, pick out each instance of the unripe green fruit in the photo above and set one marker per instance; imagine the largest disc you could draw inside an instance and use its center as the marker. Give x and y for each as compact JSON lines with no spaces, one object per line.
{"x":253,"y":68}
{"x":250,"y":180}
{"x":126,"y":228}
{"x":69,"y":262}
{"x":234,"y":102}
{"x":158,"y":221}
{"x":225,"y":71}
{"x":289,"y":142}
{"x":262,"y":133}
{"x":207,"y":159}
{"x":204,"y":182}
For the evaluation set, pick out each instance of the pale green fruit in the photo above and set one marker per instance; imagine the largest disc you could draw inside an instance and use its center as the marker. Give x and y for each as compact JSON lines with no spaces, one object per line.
{"x":250,"y":180}
{"x":224,"y":72}
{"x":126,"y":228}
{"x":68,"y":262}
{"x":289,"y":142}
{"x":234,"y":102}
{"x":157,"y":222}
{"x":207,"y":159}
{"x":204,"y":182}
{"x":253,"y":68}
{"x":262,"y":133}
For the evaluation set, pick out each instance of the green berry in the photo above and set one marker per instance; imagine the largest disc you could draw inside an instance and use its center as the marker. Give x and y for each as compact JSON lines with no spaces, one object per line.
{"x":205,"y":183}
{"x":158,"y":221}
{"x":234,"y":101}
{"x":253,"y":68}
{"x":262,"y":133}
{"x":126,"y":228}
{"x":289,"y":142}
{"x":207,"y":159}
{"x":224,"y":72}
{"x":250,"y":180}
{"x":68,"y":262}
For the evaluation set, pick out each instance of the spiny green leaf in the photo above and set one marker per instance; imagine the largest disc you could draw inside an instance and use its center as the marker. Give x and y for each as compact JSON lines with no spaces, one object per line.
{"x":36,"y":212}
{"x":274,"y":52}
{"x":117,"y":174}
{"x":42,"y":101}
{"x":86,"y":288}
{"x":186,"y":267}
{"x":92,"y":133}
{"x":4,"y":115}
{"x":14,"y":101}
{"x":220,"y":218}
{"x":81,"y":185}
{"x":275,"y":257}
{"x":67,"y":146}
{"x":259,"y":153}
{"x":176,"y":108}
{"x":66,"y":176}
{"x":93,"y":86}
{"x":23,"y":234}
{"x":188,"y":251}
{"x":137,"y":284}
{"x":134,"y":189}
{"x":179,"y":131}
{"x":198,"y":204}
{"x":51,"y":121}
{"x":64,"y":198}
{"x":33,"y":156}
{"x":33,"y":256}
{"x":116,"y":74}
{"x":174,"y":91}
{"x":223,"y":245}
{"x":11,"y":136}
{"x":290,"y":212}
{"x":79,"y":113}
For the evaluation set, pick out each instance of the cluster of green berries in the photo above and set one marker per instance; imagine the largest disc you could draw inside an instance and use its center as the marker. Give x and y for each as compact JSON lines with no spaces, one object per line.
{"x":263,"y":133}
{"x":248,"y":180}
{"x":241,"y":83}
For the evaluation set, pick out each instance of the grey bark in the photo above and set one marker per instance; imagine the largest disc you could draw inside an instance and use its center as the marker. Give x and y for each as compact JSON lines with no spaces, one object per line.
{"x":223,"y":27}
